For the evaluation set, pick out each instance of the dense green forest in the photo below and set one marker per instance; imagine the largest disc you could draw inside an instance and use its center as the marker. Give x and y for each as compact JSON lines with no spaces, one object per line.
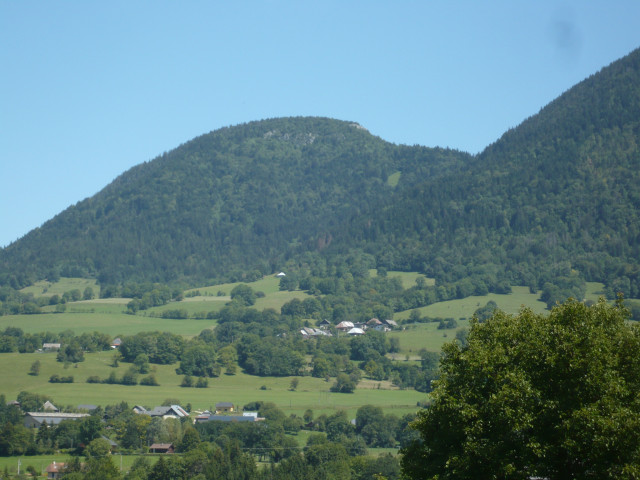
{"x":551,"y":204}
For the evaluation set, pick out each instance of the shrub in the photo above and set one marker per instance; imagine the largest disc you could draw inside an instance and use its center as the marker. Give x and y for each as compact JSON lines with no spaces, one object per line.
{"x":149,"y":380}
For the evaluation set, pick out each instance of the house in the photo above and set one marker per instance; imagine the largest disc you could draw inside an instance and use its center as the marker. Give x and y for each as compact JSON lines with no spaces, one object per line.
{"x":139,"y":409}
{"x":355,"y":331}
{"x":202,"y":417}
{"x":162,"y":448}
{"x":224,"y":407}
{"x":391,"y":324}
{"x":231,"y":418}
{"x":112,"y":445}
{"x":116,"y":343}
{"x":374,"y":322}
{"x":281,"y":274}
{"x":324,"y":324}
{"x":36,"y":419}
{"x":55,"y":470}
{"x":49,"y":347}
{"x":382,"y":328}
{"x":345,"y":326}
{"x":307,"y":332}
{"x":245,"y":417}
{"x":172,"y":411}
{"x":87,"y":407}
{"x":49,"y":407}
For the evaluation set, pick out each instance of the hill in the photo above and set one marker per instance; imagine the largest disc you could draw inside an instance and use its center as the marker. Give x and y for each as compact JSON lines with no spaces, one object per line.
{"x":555,"y":198}
{"x":552,"y":203}
{"x":247,"y":198}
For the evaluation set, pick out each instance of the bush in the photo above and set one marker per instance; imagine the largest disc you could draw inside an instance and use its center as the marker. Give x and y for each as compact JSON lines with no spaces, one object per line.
{"x":202,"y":383}
{"x":149,"y":381}
{"x":93,"y":379}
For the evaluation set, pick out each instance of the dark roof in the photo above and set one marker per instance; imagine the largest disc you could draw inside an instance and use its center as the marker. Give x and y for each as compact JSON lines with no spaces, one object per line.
{"x":224,"y":404}
{"x":231,"y":418}
{"x":54,"y":418}
{"x":176,"y":410}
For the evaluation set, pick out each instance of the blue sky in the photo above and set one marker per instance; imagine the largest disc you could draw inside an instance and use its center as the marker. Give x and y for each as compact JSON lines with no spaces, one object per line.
{"x":90,"y":89}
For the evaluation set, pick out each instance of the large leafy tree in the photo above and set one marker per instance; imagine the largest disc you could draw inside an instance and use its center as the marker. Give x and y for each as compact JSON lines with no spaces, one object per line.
{"x":551,"y":396}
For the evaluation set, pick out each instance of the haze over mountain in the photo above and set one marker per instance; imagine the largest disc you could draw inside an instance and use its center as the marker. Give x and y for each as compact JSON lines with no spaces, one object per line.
{"x":555,"y":198}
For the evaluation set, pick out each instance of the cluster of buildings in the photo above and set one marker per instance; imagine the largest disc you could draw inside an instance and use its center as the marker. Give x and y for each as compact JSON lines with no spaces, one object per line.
{"x":224,"y":412}
{"x":349,"y":328}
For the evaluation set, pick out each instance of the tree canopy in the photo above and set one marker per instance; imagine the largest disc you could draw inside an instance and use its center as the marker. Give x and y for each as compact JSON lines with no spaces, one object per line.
{"x":550,"y":396}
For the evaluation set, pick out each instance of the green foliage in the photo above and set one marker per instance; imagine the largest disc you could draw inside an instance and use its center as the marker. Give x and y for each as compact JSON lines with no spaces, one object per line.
{"x":199,"y":360}
{"x":530,"y":395}
{"x":71,"y":353}
{"x":243,"y":294}
{"x":344,"y":383}
{"x":160,"y":347}
{"x":35,"y":368}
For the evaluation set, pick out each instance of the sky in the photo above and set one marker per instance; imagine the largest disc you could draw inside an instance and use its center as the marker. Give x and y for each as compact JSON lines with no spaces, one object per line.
{"x":90,"y":89}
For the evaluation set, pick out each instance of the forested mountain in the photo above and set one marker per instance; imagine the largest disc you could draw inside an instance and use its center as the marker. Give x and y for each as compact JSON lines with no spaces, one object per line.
{"x":556,"y":197}
{"x":554,"y":201}
{"x":240,"y":198}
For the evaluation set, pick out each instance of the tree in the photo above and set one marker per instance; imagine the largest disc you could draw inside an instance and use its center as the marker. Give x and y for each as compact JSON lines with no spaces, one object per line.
{"x":243,"y":294}
{"x":88,"y":294}
{"x":294,"y":384}
{"x":190,"y":440}
{"x":344,"y":384}
{"x":35,"y":368}
{"x":199,"y":360}
{"x":142,"y":363}
{"x":98,"y":448}
{"x":551,"y":396}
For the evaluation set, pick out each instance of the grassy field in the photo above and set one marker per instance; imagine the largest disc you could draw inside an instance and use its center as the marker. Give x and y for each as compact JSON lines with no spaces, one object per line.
{"x":48,"y":289}
{"x":40,"y":462}
{"x":112,"y":324}
{"x":240,"y":389}
{"x":267,"y":285}
{"x":417,"y":336}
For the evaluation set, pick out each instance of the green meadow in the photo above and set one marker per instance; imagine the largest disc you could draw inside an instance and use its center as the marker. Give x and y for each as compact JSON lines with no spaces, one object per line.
{"x":114,"y":324}
{"x":65,"y":284}
{"x":40,"y":462}
{"x":239,"y":389}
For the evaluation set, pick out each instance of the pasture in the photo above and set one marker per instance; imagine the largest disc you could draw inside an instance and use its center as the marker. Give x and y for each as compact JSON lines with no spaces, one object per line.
{"x":45,"y":288}
{"x":40,"y":462}
{"x":114,"y":324}
{"x":239,"y":389}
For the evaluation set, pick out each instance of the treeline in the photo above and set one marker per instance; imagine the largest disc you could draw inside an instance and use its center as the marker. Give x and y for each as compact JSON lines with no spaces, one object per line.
{"x":14,"y":339}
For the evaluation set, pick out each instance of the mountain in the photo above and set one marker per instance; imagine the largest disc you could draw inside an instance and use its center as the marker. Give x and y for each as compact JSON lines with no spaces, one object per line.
{"x":557,"y":196}
{"x":554,"y":200}
{"x":240,"y":198}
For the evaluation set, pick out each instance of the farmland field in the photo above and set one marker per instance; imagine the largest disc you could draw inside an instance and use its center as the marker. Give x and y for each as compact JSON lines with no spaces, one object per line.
{"x":239,"y":389}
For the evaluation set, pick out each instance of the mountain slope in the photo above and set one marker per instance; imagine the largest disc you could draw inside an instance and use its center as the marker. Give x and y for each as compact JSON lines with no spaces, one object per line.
{"x":240,"y":198}
{"x":556,"y":199}
{"x":556,"y":196}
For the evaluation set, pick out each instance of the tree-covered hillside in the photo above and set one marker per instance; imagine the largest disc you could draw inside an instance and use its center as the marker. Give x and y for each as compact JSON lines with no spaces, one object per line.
{"x":552,"y":203}
{"x":240,"y":199}
{"x":556,"y":198}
